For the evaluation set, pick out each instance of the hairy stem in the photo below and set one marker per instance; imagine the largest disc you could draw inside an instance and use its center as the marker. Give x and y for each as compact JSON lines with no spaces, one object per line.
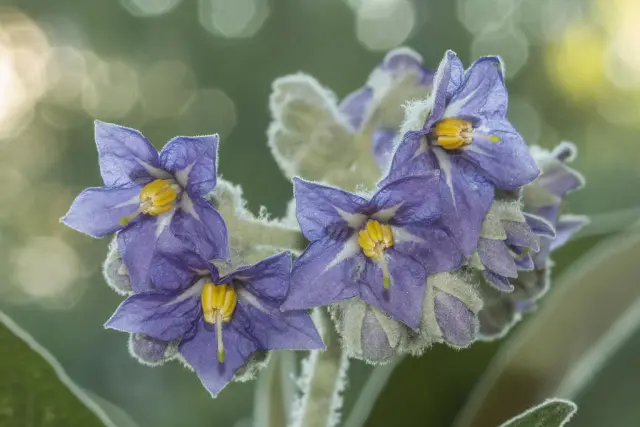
{"x":322,"y":381}
{"x":276,"y":235}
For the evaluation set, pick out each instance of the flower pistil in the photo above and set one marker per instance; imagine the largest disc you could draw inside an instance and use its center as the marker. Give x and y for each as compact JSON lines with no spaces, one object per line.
{"x":218,"y":304}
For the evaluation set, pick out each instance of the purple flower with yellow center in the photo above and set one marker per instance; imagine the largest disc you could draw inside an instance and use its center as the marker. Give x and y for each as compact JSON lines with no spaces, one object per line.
{"x":467,"y":137}
{"x":379,"y":249}
{"x":220,"y":322}
{"x":149,"y":194}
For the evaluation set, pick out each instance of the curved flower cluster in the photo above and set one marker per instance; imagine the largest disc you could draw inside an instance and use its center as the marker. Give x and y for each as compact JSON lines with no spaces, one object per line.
{"x":169,"y":234}
{"x":424,"y":215}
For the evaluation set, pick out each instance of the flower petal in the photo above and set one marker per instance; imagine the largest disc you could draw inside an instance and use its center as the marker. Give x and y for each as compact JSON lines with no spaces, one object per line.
{"x":322,"y":210}
{"x":161,"y":315}
{"x":566,"y":227}
{"x":499,"y":282}
{"x":482,"y":92}
{"x":126,"y":157}
{"x":560,"y":179}
{"x":175,"y":265}
{"x":201,"y":227}
{"x":292,"y":330}
{"x":403,"y":299}
{"x":433,"y":247}
{"x":409,"y":200}
{"x":326,"y":272}
{"x":446,"y":81}
{"x":268,"y":279}
{"x":540,"y":226}
{"x":519,"y":234}
{"x":137,"y":245}
{"x":192,"y":160}
{"x":410,"y":158}
{"x":200,"y":351}
{"x":355,"y":106}
{"x":507,"y":163}
{"x":458,"y":324}
{"x":496,"y":257}
{"x":383,"y":144}
{"x":466,"y":199}
{"x":98,"y":211}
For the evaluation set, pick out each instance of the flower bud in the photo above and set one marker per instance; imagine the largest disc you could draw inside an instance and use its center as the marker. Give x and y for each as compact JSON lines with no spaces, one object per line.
{"x":114,"y":270}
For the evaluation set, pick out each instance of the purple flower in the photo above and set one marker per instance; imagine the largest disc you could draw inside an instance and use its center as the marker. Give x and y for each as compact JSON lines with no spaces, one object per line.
{"x":220,"y":321}
{"x":467,"y":137}
{"x":379,"y":249}
{"x":147,"y":193}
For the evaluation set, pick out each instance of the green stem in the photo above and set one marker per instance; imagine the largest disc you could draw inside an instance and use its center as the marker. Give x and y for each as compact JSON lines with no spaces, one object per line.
{"x":322,"y":381}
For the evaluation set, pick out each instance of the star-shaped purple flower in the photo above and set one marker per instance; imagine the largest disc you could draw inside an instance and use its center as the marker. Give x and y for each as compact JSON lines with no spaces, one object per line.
{"x":467,"y":137}
{"x":379,"y":249}
{"x":220,"y":321}
{"x":147,"y":194}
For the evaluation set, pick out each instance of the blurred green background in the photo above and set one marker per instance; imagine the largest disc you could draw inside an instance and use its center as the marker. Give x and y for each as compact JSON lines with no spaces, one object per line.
{"x":170,"y":67}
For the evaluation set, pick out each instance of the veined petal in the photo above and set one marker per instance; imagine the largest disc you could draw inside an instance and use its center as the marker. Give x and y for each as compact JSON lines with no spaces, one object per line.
{"x":192,"y":160}
{"x":507,"y":163}
{"x":482,"y":92}
{"x":175,"y":265}
{"x":200,"y":351}
{"x":137,"y":245}
{"x":161,"y":315}
{"x":268,"y":279}
{"x":466,"y":198}
{"x":201,"y":227}
{"x":98,"y":211}
{"x":326,"y":272}
{"x":403,"y":299}
{"x":410,"y":158}
{"x":433,"y":247}
{"x":126,"y":157}
{"x":291,"y":330}
{"x":323,"y":210}
{"x":408,"y":200}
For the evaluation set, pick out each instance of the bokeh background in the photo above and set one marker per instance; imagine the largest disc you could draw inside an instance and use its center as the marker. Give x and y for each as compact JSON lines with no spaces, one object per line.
{"x":170,"y":67}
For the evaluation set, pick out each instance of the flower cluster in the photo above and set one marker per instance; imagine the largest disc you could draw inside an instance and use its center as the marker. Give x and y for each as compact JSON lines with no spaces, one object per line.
{"x":168,"y":236}
{"x":427,"y":219}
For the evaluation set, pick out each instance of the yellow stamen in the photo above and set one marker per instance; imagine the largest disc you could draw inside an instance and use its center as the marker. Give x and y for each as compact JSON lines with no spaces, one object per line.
{"x":374,"y":238}
{"x":452,"y":134}
{"x":218,"y":304}
{"x":157,"y":197}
